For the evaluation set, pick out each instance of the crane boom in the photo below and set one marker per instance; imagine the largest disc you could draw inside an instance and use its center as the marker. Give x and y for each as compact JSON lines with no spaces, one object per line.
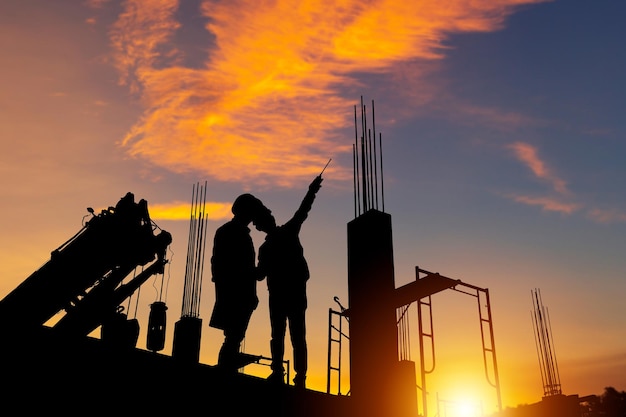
{"x":83,"y":276}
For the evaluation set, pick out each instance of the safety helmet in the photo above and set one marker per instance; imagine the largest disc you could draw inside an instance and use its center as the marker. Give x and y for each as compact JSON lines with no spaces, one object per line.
{"x":246,"y":205}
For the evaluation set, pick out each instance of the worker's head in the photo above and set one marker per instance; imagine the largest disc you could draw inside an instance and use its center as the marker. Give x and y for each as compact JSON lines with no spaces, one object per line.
{"x":247,"y":206}
{"x":264,"y":221}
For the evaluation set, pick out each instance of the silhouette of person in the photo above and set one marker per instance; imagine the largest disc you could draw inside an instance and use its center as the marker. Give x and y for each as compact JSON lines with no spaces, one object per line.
{"x":281,"y":259}
{"x":234,"y":272}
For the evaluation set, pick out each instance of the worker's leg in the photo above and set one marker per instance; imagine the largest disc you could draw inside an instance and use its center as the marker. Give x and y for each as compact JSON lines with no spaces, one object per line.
{"x":297,"y":331}
{"x":233,"y":336}
{"x":278,"y":321}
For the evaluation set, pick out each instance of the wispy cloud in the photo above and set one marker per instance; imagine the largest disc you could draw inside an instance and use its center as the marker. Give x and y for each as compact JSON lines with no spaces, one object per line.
{"x":267,"y":106}
{"x":141,"y":36}
{"x":528,"y":155}
{"x":607,"y":216}
{"x":561,"y":201}
{"x":546,"y":203}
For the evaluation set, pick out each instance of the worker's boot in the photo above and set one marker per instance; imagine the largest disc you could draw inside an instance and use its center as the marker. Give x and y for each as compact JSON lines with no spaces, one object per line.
{"x":299,"y":381}
{"x":277,"y":377}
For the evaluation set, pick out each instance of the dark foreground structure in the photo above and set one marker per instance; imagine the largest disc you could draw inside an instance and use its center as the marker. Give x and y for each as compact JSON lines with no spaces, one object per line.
{"x":51,"y":375}
{"x":552,"y":406}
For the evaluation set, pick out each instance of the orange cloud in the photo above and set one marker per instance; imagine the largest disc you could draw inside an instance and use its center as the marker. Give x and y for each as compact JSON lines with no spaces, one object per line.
{"x":266,"y":107}
{"x":141,"y":33}
{"x":546,"y":203}
{"x":182,"y":211}
{"x":528,"y":155}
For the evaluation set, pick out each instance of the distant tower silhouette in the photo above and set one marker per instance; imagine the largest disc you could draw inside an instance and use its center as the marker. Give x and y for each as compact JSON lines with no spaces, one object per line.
{"x":187,"y":331}
{"x":379,"y":382}
{"x":545,"y":347}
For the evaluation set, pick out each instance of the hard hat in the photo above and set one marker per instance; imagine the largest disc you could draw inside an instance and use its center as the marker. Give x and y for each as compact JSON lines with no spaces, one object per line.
{"x":246,"y":205}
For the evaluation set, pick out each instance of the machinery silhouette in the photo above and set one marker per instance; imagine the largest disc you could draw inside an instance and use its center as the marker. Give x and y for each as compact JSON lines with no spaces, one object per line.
{"x":83,"y":278}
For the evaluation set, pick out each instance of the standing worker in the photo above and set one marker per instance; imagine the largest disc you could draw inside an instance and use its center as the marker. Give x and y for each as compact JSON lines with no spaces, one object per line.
{"x":281,"y":260}
{"x":234,"y":272}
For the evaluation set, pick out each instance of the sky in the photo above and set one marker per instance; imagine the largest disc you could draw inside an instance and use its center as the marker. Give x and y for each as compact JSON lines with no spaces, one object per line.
{"x":504,"y":140}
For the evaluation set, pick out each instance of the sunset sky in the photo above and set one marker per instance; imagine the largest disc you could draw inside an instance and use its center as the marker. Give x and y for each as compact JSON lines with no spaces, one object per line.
{"x":504,"y":133}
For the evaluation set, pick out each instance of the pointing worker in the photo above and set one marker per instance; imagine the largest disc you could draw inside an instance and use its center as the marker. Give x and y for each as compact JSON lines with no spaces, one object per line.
{"x":281,"y":260}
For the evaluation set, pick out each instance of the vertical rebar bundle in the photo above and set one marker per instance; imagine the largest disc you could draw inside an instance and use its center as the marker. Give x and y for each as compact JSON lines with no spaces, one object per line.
{"x":545,"y":347}
{"x":195,"y":253}
{"x":367,"y":161}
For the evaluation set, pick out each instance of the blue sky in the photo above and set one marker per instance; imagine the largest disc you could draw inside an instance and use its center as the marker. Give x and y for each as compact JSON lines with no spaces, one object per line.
{"x":503,"y":134}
